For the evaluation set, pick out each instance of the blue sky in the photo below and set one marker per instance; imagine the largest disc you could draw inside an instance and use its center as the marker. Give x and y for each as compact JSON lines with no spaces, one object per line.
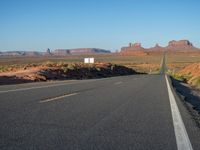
{"x":108,"y":24}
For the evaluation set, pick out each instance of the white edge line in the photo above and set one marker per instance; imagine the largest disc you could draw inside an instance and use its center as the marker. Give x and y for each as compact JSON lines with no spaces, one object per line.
{"x":56,"y":98}
{"x":182,"y":138}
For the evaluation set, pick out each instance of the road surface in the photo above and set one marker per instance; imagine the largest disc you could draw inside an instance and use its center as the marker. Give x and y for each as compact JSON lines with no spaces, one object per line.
{"x":120,"y":113}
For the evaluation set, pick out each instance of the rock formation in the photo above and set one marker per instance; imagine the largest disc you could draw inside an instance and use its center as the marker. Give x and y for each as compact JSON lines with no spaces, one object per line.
{"x":57,"y":52}
{"x":173,"y":46}
{"x":79,"y":51}
{"x":180,"y":45}
{"x":61,"y":52}
{"x":48,"y":52}
{"x":157,"y":47}
{"x":133,"y":49}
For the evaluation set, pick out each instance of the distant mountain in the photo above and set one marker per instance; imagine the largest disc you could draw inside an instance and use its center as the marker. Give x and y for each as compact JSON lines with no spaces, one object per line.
{"x":79,"y":51}
{"x":57,"y":52}
{"x":22,"y":53}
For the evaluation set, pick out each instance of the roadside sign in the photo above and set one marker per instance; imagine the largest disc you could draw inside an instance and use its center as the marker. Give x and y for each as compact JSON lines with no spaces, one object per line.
{"x":88,"y":60}
{"x":91,"y":60}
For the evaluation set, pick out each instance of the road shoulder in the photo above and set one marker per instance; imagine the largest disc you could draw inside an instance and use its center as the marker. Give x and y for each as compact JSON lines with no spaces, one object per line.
{"x":189,"y":115}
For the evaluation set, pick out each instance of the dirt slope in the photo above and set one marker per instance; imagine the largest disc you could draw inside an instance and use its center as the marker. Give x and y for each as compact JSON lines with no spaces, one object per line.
{"x":63,"y":71}
{"x":191,"y":73}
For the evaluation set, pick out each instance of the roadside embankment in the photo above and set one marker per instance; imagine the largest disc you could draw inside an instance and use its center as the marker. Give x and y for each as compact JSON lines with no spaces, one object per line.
{"x":190,"y":97}
{"x":187,"y":84}
{"x":63,"y":71}
{"x":189,"y":74}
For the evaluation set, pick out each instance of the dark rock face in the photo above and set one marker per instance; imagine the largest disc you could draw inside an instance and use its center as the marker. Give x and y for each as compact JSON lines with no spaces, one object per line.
{"x":48,"y":52}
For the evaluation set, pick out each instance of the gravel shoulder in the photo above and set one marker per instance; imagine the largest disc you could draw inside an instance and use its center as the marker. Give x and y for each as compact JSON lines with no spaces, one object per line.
{"x":190,"y":96}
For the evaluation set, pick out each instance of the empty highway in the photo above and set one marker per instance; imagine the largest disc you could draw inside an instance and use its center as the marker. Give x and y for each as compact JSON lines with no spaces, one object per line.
{"x":119,"y":113}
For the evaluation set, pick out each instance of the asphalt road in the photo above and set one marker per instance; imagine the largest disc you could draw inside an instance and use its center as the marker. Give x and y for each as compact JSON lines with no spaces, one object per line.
{"x":120,"y":113}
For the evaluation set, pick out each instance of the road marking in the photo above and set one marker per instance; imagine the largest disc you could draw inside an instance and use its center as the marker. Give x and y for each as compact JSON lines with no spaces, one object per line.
{"x":56,"y":98}
{"x":38,"y":87}
{"x":118,"y":83}
{"x":54,"y":85}
{"x":182,"y":139}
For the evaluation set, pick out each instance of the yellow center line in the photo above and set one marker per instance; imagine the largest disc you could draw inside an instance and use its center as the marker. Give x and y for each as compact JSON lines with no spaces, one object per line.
{"x":56,"y":98}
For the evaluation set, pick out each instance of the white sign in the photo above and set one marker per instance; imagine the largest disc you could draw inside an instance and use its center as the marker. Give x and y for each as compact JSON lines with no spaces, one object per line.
{"x":88,"y":60}
{"x":91,"y":60}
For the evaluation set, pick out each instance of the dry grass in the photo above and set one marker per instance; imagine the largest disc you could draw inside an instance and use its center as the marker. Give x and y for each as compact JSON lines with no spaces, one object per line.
{"x":176,"y":62}
{"x":147,"y":63}
{"x":140,"y":63}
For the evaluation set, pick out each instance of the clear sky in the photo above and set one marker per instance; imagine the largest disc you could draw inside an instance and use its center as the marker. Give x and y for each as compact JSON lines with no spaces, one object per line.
{"x":108,"y":24}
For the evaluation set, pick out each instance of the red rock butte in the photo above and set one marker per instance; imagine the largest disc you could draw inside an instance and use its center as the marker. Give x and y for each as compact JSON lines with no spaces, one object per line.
{"x":173,"y":46}
{"x":133,"y":49}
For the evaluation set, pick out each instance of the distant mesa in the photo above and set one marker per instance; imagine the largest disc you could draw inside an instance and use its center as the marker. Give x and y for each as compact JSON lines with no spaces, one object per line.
{"x":182,"y":45}
{"x":173,"y":46}
{"x":60,"y":52}
{"x":133,"y":49}
{"x":157,"y":47}
{"x":79,"y":51}
{"x":57,"y":52}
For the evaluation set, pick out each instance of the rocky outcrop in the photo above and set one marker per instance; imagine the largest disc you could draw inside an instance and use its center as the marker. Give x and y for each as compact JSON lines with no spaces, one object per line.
{"x":48,"y":52}
{"x":133,"y":49}
{"x":180,"y":45}
{"x":173,"y":46}
{"x":157,"y":47}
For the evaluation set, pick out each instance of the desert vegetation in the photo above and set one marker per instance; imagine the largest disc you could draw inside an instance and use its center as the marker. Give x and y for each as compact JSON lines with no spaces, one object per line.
{"x":61,"y":71}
